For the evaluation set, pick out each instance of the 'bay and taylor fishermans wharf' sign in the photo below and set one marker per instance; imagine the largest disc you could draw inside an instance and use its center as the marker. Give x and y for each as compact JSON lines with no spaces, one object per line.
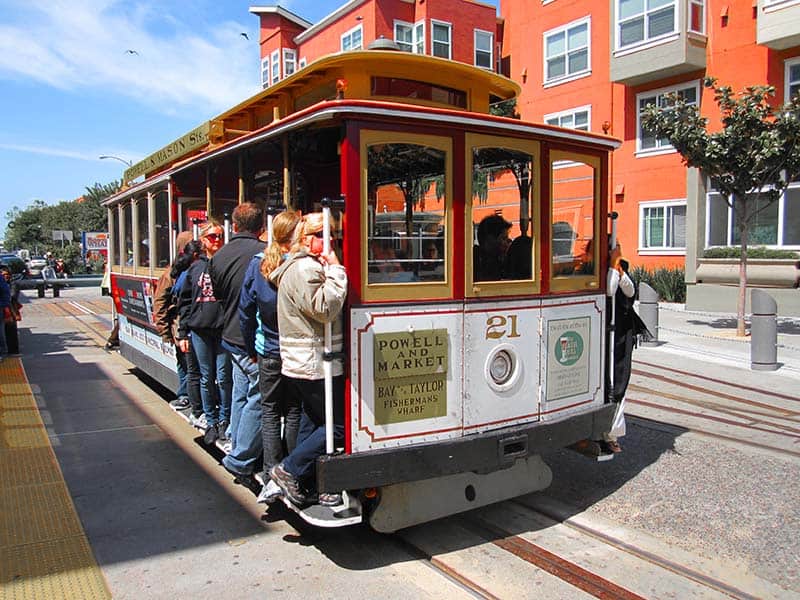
{"x":410,"y":372}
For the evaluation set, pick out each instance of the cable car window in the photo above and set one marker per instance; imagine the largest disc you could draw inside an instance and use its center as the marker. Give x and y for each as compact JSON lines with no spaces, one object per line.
{"x":406,"y":188}
{"x":191,"y":210}
{"x":113,"y":249}
{"x":502,"y":242}
{"x":162,"y":230}
{"x":127,"y":214}
{"x":575,"y":201}
{"x":144,"y":241}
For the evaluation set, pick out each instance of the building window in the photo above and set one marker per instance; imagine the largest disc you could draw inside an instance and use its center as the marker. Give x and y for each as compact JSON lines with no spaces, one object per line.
{"x":265,"y":72}
{"x":419,"y":37}
{"x":441,"y":45}
{"x":662,"y":225}
{"x":776,"y":224}
{"x":289,"y":62}
{"x":404,"y":35}
{"x":575,"y":118}
{"x":484,"y":45}
{"x":566,"y":51}
{"x":647,"y":142}
{"x":301,"y":63}
{"x":275,"y":68}
{"x":792,"y":86}
{"x":697,"y":16}
{"x":639,"y":21}
{"x":410,"y":36}
{"x":352,"y":40}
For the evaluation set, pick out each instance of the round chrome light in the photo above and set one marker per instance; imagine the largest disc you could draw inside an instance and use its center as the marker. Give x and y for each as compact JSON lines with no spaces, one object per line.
{"x":501,"y":367}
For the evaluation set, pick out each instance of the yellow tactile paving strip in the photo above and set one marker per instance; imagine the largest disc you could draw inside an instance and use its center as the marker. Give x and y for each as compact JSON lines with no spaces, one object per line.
{"x":44,"y":553}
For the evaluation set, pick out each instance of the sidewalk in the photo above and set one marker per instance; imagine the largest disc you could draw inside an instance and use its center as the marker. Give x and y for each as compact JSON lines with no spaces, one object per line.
{"x":710,"y":339}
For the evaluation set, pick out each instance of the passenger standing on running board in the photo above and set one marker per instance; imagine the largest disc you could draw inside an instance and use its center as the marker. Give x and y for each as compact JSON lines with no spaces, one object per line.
{"x":309,"y":295}
{"x":227,"y":270}
{"x":258,"y":311}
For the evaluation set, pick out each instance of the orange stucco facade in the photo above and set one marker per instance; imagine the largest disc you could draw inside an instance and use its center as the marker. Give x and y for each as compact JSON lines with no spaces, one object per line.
{"x":585,"y":64}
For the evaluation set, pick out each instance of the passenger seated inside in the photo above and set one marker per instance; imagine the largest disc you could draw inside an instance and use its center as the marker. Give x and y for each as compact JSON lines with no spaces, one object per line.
{"x":519,"y":259}
{"x":388,"y":265}
{"x":489,"y":256}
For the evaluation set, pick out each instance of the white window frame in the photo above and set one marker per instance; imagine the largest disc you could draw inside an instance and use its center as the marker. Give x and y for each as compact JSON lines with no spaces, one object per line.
{"x":771,"y":5}
{"x":660,"y":250}
{"x":792,"y":62}
{"x":419,"y":37}
{"x":449,"y":27}
{"x":265,"y":72}
{"x":730,"y":222}
{"x":647,"y":40}
{"x":666,"y":148}
{"x":565,"y":30}
{"x":702,"y":5}
{"x":275,"y":67}
{"x":403,"y":44}
{"x":348,"y":35}
{"x":571,"y":112}
{"x":289,"y":61}
{"x":490,"y":35}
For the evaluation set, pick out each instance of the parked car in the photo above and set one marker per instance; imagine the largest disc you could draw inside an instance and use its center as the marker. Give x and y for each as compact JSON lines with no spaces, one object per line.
{"x":36,"y":264}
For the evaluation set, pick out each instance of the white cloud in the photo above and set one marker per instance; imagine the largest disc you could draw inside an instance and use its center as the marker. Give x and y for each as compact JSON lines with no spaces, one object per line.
{"x":82,"y":44}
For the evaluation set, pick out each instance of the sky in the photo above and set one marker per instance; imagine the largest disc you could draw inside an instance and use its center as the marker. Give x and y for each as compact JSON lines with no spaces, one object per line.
{"x":72,"y":91}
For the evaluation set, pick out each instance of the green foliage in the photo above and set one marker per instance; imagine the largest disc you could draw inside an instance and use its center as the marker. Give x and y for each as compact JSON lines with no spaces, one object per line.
{"x":756,"y":252}
{"x":669,"y":284}
{"x":506,"y":108}
{"x":32,"y":227}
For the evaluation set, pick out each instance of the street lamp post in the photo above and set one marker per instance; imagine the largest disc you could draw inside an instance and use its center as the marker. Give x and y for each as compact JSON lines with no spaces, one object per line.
{"x":122,"y":160}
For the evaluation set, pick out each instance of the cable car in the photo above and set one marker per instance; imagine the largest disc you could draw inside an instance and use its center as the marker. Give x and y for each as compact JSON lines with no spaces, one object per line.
{"x":475,"y":316}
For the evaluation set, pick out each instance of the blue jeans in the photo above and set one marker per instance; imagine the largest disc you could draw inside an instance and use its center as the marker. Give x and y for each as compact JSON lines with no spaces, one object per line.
{"x":3,"y":346}
{"x":245,"y":427}
{"x":215,"y":377}
{"x":180,"y":357}
{"x":302,"y":462}
{"x":276,"y":403}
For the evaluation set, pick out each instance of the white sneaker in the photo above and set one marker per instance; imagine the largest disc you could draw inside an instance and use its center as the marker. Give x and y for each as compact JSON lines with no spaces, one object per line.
{"x":199,"y":422}
{"x":269,"y":493}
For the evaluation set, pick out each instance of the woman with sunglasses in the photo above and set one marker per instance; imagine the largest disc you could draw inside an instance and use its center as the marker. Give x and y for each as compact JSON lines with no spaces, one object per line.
{"x":201,"y":320}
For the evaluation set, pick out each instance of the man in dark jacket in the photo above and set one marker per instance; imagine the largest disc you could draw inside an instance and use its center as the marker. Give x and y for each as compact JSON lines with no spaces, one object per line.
{"x":227,"y":269}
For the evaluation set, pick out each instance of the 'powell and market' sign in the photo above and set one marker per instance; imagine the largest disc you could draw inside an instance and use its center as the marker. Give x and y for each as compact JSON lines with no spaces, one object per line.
{"x":410,"y":371}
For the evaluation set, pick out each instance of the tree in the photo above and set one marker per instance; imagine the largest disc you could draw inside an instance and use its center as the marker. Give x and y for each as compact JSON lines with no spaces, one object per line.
{"x":750,"y":160}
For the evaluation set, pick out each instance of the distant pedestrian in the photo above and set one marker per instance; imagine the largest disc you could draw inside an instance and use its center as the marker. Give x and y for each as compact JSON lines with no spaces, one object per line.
{"x":5,"y":305}
{"x":13,"y":315}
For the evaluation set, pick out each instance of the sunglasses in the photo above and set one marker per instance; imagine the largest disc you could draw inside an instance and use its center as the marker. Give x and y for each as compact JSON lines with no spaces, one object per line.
{"x":213,"y":237}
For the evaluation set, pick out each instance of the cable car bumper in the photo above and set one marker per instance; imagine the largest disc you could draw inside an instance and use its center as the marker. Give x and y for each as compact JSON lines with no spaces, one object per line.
{"x":481,"y":453}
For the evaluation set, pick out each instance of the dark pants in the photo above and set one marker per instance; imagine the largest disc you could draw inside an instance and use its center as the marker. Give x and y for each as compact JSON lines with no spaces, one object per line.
{"x":302,"y":462}
{"x":276,"y":403}
{"x":187,"y":363}
{"x":12,"y":337}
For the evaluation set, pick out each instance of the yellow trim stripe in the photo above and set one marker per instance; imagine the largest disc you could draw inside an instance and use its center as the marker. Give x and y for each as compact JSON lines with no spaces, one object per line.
{"x":44,"y":552}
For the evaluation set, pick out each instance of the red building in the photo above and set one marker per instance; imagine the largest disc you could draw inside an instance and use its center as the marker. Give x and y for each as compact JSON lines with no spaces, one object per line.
{"x":593,"y":65}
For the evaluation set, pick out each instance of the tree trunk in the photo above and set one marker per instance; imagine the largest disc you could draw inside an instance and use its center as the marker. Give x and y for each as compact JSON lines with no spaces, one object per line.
{"x":742,"y":300}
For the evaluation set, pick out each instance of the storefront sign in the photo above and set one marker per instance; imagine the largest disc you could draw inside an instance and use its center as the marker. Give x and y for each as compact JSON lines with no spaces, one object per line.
{"x":568,"y":357}
{"x":197,"y":138}
{"x":410,"y":371}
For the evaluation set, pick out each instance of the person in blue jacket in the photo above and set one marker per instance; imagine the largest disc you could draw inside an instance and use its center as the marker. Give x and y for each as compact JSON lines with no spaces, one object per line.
{"x":258,"y":318}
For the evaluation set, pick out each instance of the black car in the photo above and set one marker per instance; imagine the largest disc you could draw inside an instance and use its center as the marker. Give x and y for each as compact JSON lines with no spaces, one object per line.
{"x":17,"y":266}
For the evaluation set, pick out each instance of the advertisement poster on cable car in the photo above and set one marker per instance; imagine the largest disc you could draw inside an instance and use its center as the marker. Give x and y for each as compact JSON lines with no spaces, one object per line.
{"x":136,"y":300}
{"x":568,"y":343}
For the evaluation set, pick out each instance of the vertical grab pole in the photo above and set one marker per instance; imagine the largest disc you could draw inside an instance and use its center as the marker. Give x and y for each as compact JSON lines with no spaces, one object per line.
{"x":227,"y":227}
{"x":327,"y":363}
{"x":195,"y":229}
{"x":611,"y":329}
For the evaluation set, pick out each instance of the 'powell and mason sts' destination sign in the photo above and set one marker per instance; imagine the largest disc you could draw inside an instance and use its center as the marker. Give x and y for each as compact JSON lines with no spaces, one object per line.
{"x":410,"y":372}
{"x":196,"y":138}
